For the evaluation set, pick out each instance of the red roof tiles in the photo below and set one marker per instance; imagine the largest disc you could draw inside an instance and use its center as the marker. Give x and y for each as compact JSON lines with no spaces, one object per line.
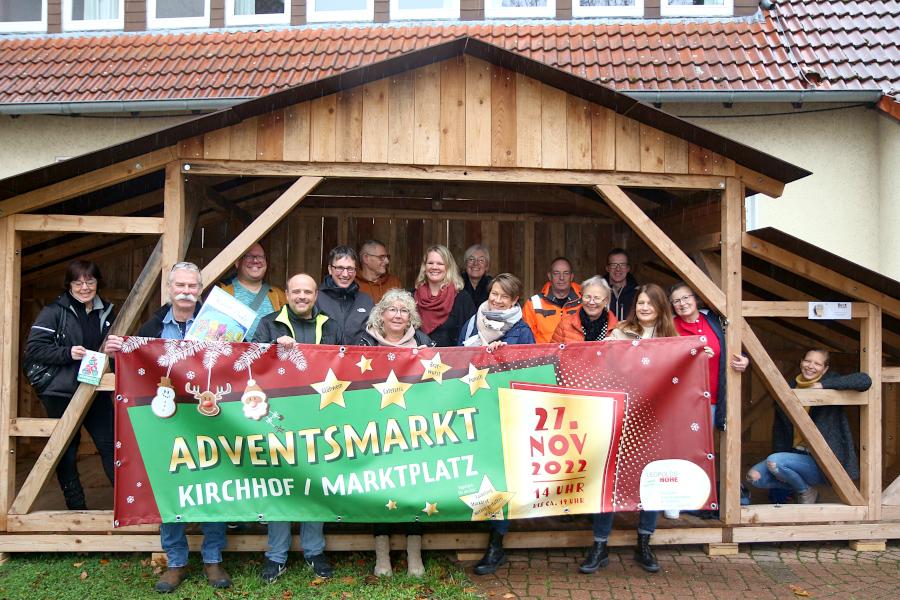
{"x":808,"y":44}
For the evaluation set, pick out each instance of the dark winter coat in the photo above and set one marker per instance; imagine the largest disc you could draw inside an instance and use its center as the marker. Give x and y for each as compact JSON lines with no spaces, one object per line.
{"x":479,"y":294}
{"x":447,"y":333}
{"x":41,"y":344}
{"x":348,"y":306}
{"x":620,"y":304}
{"x":715,"y":324}
{"x":519,"y":333}
{"x":421,"y":338}
{"x":319,"y":329}
{"x":153,"y":328}
{"x":831,"y":421}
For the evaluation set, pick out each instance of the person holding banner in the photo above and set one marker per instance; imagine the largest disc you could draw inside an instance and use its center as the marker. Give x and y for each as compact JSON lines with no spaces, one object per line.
{"x":442,"y":307}
{"x":593,"y":320}
{"x":394,"y":323}
{"x":649,"y":317}
{"x":340,"y":297}
{"x":792,"y":467}
{"x":250,"y":288}
{"x":299,"y":322}
{"x":64,"y":331}
{"x":498,"y":321}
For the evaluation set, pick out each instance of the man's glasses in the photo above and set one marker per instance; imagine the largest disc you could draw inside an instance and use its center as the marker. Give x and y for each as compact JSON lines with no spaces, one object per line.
{"x":254,"y":258}
{"x":617,"y":265}
{"x":344,"y":269}
{"x":381,"y":257}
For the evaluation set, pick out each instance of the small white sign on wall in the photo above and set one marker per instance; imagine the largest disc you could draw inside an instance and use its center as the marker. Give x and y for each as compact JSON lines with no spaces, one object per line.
{"x":829,"y":310}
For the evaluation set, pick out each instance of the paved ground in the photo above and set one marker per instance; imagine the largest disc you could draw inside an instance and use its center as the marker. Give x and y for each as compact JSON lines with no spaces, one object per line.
{"x":815,"y":570}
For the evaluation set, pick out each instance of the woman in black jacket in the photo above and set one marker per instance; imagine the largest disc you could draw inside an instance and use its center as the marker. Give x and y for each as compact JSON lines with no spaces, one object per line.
{"x":77,"y":321}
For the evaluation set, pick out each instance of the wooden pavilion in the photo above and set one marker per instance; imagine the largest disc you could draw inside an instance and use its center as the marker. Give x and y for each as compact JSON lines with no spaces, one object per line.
{"x":459,"y":143}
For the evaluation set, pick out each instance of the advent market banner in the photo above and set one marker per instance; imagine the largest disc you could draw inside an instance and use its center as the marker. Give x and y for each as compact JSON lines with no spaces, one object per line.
{"x":220,"y":431}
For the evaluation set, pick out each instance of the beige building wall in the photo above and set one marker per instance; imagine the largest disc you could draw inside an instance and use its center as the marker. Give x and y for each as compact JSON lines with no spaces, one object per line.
{"x":849,"y":206}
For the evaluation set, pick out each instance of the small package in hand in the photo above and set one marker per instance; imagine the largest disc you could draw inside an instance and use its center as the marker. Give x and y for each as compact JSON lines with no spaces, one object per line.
{"x":91,"y":369}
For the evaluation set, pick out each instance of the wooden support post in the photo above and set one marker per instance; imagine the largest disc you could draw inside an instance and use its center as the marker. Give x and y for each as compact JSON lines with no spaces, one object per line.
{"x":174,"y":211}
{"x":528,"y":257}
{"x":260,"y":227}
{"x":723,"y":549}
{"x":10,"y":273}
{"x":71,"y":420}
{"x":664,"y":247}
{"x":790,"y":404}
{"x":870,"y":413}
{"x":730,"y":451}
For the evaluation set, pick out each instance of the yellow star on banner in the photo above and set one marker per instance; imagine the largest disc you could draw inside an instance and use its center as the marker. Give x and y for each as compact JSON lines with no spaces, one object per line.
{"x":488,"y":502}
{"x":391,"y":505}
{"x":331,"y":390}
{"x":430,"y":508}
{"x":392,"y":391}
{"x":476,"y":379}
{"x":434,"y":368}
{"x":364,"y":364}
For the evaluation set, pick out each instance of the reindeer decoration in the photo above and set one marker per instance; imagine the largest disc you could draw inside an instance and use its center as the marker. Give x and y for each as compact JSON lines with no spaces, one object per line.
{"x":208,"y":400}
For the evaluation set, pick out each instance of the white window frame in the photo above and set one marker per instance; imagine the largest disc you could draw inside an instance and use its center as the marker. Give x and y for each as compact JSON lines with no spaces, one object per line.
{"x":689,"y":10}
{"x":283,"y":18}
{"x":608,"y":11}
{"x":154,"y":22}
{"x":70,"y":24}
{"x":494,"y":10}
{"x":313,"y":15}
{"x":450,"y":11}
{"x":26,"y":26}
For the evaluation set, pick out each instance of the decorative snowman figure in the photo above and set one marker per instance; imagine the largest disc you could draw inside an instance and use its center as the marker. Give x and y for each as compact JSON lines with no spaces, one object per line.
{"x":163,"y":404}
{"x":254,"y":400}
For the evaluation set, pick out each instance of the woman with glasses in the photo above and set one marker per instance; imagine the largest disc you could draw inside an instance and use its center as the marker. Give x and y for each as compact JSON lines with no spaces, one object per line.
{"x":340,"y":297}
{"x":444,"y":310}
{"x":395,"y":322}
{"x":75,"y":322}
{"x":593,"y":320}
{"x":476,"y":281}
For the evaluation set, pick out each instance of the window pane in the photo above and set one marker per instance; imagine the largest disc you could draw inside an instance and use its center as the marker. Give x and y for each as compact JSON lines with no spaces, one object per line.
{"x":420,"y":4}
{"x":91,"y":10}
{"x":20,"y":10}
{"x":323,"y":5}
{"x":176,"y":9}
{"x":606,"y":2}
{"x":258,"y":7}
{"x":522,"y":3}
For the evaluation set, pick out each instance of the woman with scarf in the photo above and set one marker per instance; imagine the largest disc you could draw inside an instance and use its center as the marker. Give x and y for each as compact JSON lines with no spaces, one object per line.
{"x":77,"y":321}
{"x":593,"y":320}
{"x":791,"y":467}
{"x":394,"y":322}
{"x":498,"y":322}
{"x":442,"y":307}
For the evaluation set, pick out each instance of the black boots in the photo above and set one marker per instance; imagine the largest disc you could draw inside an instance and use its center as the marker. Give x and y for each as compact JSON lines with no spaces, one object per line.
{"x":644,"y":555}
{"x":74,"y":495}
{"x":597,"y":557}
{"x":493,"y":557}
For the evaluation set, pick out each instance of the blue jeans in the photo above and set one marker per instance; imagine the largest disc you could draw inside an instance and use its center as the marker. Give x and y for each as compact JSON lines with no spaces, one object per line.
{"x":788,"y":471}
{"x":312,"y":540}
{"x":175,"y":545}
{"x":603,"y":523}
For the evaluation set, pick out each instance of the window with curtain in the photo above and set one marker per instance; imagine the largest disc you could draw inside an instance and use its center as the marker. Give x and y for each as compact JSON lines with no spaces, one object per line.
{"x":607,"y":8}
{"x":329,"y":11}
{"x":177,"y":13}
{"x":710,"y":8}
{"x":257,"y":12}
{"x":424,"y":9}
{"x":23,"y":15}
{"x":494,"y":9}
{"x":93,"y":14}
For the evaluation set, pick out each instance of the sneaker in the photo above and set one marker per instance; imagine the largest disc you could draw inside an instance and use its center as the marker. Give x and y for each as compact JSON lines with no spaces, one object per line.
{"x":272,"y":570}
{"x":320,"y":566}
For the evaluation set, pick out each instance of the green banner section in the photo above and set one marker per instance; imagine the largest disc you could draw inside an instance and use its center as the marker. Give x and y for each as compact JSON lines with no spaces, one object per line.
{"x":434,"y":453}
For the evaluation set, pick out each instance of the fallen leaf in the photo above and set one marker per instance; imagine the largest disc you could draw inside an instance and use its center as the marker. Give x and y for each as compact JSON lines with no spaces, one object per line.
{"x":470,"y":590}
{"x":78,"y":564}
{"x":104,"y":561}
{"x":317,"y":581}
{"x":348,"y":580}
{"x":287,"y":594}
{"x":799,"y":591}
{"x":509,"y":595}
{"x":83,"y":575}
{"x":145,"y":562}
{"x":346,"y":595}
{"x":157,"y":570}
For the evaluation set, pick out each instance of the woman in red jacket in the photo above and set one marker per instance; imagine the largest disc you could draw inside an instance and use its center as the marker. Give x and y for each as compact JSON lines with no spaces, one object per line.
{"x":593,"y":320}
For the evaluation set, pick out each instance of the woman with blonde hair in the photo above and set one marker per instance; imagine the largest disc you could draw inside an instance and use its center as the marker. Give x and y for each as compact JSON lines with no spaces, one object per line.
{"x":442,"y":307}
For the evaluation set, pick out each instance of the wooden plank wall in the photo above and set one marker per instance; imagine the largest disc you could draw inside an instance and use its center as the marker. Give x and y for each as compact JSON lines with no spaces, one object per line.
{"x":462,"y":111}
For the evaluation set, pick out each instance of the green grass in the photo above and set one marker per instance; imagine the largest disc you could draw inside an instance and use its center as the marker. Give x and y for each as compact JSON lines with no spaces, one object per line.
{"x":127,"y":576}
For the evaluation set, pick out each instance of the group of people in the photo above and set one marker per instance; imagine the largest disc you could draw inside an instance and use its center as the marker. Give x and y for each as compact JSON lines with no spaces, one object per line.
{"x":360,"y":303}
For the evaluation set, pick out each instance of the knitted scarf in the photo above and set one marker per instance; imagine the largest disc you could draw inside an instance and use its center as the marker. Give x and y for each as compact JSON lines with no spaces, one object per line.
{"x":407,"y":341}
{"x":434,"y":310}
{"x":802,"y":382}
{"x":493,"y":324}
{"x":594,"y":330}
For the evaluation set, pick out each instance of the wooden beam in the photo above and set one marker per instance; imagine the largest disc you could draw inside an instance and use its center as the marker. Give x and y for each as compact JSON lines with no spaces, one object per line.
{"x":796,"y":310}
{"x":442,"y":173}
{"x":819,"y":274}
{"x":84,"y":224}
{"x":260,"y":227}
{"x":32,"y":427}
{"x":84,"y":521}
{"x":811,"y":533}
{"x":771,"y":514}
{"x":790,"y":404}
{"x":175,"y":213}
{"x":710,"y":263}
{"x":813,"y":397}
{"x":730,"y":277}
{"x":88,"y":182}
{"x":891,"y":494}
{"x":870,"y":437}
{"x":759,"y":182}
{"x":71,"y":420}
{"x":10,"y":288}
{"x":890,"y":374}
{"x":107,"y":383}
{"x":664,"y":248}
